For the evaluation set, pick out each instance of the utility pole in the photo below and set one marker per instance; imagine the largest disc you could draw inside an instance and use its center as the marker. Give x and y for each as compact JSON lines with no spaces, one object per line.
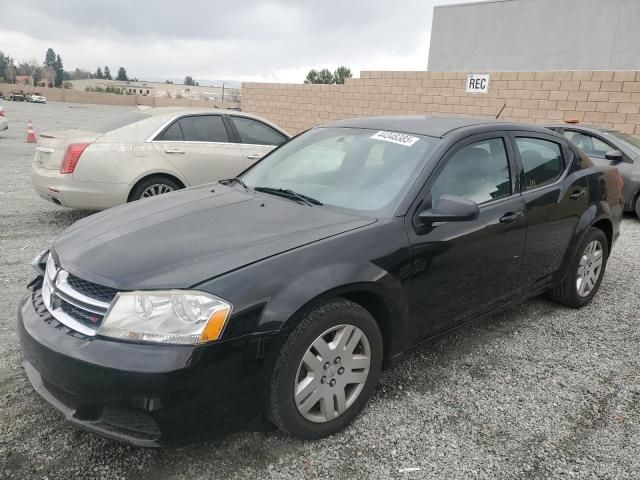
{"x":223,"y":84}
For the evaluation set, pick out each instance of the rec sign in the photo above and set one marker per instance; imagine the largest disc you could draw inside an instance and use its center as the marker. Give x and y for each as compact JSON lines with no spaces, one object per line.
{"x":477,"y":83}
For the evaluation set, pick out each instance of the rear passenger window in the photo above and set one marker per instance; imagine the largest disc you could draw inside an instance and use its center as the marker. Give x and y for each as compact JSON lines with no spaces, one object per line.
{"x":172,"y":134}
{"x":257,"y":133}
{"x":479,"y":172}
{"x":592,"y":146}
{"x":206,"y":128}
{"x":541,"y":160}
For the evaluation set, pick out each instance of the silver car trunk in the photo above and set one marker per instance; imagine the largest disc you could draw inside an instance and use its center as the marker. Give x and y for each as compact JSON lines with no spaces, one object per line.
{"x":52,"y":146}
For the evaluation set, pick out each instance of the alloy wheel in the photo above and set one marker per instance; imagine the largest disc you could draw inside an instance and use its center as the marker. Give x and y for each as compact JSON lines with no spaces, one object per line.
{"x":589,"y":269}
{"x":332,"y":373}
{"x":156,"y":189}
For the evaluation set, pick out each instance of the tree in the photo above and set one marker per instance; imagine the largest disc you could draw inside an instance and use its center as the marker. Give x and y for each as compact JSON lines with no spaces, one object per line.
{"x":169,"y":82}
{"x":10,"y":72}
{"x":188,"y":80}
{"x":59,"y":72}
{"x":122,"y":75}
{"x":99,"y":73}
{"x":50,"y":58}
{"x":49,"y":76}
{"x":341,"y":73}
{"x":31,"y":69}
{"x":107,"y":74}
{"x":79,"y":74}
{"x":312,"y":76}
{"x":5,"y":61}
{"x":323,"y":76}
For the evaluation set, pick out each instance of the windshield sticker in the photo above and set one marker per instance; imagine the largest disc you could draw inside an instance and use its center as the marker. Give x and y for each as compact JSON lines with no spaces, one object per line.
{"x":394,"y":137}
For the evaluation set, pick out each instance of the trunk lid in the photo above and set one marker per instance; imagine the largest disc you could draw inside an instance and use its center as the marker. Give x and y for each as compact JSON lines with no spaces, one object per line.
{"x":52,"y":145}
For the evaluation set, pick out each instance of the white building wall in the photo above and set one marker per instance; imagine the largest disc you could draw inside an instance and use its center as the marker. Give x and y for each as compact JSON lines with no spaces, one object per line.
{"x":535,"y":35}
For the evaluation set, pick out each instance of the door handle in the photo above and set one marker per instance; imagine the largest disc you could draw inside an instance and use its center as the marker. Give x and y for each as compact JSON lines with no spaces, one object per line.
{"x":510,"y":217}
{"x":577,"y":195}
{"x":173,"y":150}
{"x":254,"y":156}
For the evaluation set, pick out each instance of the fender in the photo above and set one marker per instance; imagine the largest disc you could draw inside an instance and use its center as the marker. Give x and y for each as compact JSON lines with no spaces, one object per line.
{"x":347,"y":281}
{"x":596,"y":212}
{"x":368,"y":268}
{"x":159,"y":171}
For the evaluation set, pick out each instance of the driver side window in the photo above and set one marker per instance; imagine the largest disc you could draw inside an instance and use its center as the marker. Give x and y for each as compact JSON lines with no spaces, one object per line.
{"x":478,"y":172}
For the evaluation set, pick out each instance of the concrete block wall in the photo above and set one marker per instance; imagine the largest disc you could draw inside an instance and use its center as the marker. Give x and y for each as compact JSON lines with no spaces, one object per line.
{"x":602,"y":98}
{"x":80,"y":96}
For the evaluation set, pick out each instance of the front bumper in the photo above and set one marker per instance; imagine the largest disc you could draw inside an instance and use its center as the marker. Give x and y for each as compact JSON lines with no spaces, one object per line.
{"x":63,"y":190}
{"x":146,"y":395}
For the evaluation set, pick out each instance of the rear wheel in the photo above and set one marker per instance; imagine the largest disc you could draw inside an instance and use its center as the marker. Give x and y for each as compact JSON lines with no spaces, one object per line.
{"x":638,"y":205}
{"x":326,"y":371}
{"x":585,"y":272}
{"x":154,"y":186}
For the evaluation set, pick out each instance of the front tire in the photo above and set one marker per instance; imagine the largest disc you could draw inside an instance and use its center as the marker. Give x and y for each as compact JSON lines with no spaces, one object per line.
{"x":585,"y":272}
{"x":638,"y":205}
{"x":326,"y":371}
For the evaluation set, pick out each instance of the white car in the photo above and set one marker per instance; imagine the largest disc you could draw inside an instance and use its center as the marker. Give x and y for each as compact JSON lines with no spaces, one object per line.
{"x":144,"y":153}
{"x":36,"y":98}
{"x":4,"y":124}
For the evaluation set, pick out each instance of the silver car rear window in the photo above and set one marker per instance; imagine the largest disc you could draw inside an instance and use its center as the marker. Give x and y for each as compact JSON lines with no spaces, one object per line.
{"x":119,"y":121}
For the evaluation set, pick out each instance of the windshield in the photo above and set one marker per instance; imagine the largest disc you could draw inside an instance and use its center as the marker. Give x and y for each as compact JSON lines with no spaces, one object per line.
{"x":630,"y":141}
{"x":119,"y":121}
{"x":356,"y":169}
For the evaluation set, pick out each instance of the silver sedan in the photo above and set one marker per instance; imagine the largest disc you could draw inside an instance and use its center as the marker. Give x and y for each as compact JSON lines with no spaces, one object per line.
{"x":144,"y":153}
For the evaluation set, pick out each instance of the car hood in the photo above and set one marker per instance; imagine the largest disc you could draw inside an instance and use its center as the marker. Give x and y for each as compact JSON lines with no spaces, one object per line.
{"x":184,"y":238}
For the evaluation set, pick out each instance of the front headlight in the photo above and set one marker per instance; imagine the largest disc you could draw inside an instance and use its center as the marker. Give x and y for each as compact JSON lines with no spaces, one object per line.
{"x":174,"y":316}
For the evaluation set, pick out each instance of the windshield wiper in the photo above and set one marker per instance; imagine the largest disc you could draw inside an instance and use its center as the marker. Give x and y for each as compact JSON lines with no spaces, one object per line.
{"x":284,"y":192}
{"x":229,"y":181}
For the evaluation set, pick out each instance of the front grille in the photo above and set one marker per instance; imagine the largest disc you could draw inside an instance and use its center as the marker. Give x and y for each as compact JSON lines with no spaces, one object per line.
{"x":83,"y":316}
{"x":75,"y":303}
{"x":97,"y":292}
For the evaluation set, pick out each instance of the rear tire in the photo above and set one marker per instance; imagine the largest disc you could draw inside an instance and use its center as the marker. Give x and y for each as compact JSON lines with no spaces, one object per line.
{"x":153,"y":186}
{"x":638,"y":205}
{"x":326,"y":370}
{"x":585,"y":272}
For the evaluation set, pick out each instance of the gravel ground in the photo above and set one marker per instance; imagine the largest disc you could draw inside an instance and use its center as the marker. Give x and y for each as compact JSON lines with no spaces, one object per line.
{"x":539,"y":391}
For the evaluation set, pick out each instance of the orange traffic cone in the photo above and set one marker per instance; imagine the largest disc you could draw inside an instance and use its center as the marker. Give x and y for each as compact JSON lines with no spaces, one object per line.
{"x":31,"y":136}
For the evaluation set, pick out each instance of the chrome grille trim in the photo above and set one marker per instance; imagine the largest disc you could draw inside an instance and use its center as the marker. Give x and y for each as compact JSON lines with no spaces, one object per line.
{"x":77,"y":298}
{"x":55,"y":286}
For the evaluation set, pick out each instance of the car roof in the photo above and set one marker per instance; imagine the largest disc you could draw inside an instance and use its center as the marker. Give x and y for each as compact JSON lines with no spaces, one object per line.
{"x":585,"y":128}
{"x":179,"y":111}
{"x":429,"y":125}
{"x":190,"y":110}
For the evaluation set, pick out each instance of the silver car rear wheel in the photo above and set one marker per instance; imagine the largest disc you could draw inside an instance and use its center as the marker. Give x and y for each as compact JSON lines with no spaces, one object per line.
{"x":156,"y":189}
{"x":332,"y":373}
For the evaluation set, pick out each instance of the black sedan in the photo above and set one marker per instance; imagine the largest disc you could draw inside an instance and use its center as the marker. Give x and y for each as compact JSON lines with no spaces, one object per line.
{"x":606,"y":146}
{"x":281,"y":294}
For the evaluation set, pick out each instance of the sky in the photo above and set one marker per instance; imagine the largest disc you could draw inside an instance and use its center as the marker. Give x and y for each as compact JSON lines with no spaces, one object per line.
{"x":279,"y":40}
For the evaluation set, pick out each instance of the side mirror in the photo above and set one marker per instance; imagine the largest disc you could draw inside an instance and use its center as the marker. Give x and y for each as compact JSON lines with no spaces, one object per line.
{"x":450,"y":208}
{"x":614,"y":155}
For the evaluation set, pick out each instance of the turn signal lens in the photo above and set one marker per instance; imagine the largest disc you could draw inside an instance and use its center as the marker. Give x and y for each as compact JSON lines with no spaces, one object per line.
{"x":71,"y":157}
{"x":214,"y":326}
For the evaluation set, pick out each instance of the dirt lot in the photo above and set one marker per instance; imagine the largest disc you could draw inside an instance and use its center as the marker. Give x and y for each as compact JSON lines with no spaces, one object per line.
{"x":539,"y":391}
